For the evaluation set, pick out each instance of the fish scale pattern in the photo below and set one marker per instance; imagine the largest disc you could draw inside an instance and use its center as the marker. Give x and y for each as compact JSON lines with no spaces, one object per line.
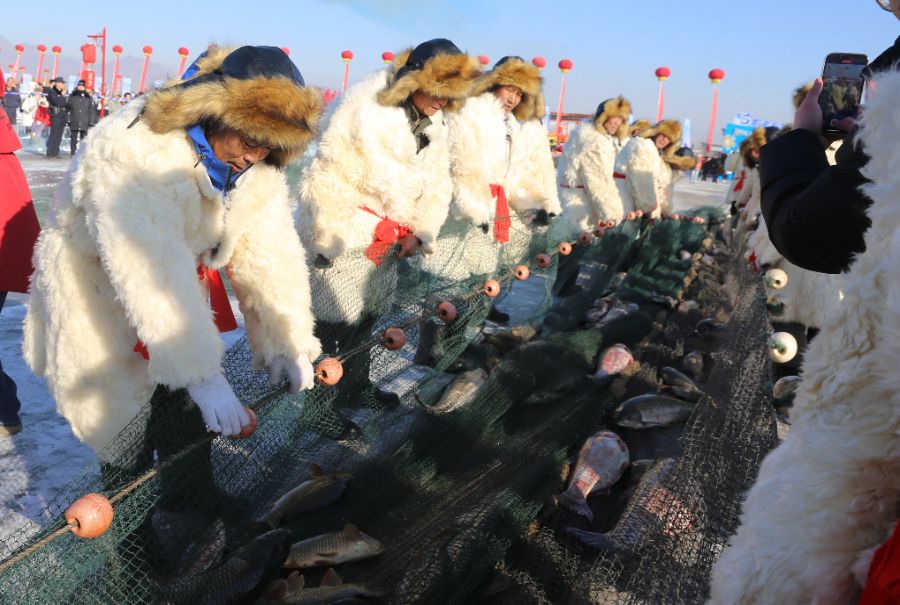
{"x":462,"y":501}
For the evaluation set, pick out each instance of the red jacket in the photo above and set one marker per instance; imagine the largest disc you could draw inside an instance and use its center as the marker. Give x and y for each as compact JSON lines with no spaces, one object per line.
{"x":42,"y":115}
{"x":19,"y":227}
{"x":883,"y":586}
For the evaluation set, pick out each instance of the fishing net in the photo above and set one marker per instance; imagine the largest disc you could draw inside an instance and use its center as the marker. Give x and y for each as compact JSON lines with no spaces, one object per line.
{"x":463,"y":499}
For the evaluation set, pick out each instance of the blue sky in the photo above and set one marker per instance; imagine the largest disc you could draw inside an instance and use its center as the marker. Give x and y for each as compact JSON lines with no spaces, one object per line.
{"x":767,"y":47}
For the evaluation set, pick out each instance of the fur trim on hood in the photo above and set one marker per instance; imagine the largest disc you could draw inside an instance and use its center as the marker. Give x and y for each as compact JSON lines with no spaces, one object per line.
{"x":275,"y":110}
{"x":436,"y":67}
{"x":682,"y":159}
{"x":801,"y":93}
{"x":612,"y":108}
{"x":756,"y":140}
{"x":514,"y":71}
{"x":670,"y":128}
{"x":638,"y":125}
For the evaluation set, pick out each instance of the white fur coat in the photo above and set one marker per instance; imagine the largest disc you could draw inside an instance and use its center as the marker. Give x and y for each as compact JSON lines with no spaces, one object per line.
{"x":367,"y":156}
{"x":534,"y":184}
{"x":134,"y":216}
{"x":587,"y":190}
{"x":831,"y":489}
{"x":734,"y":163}
{"x":647,"y":177}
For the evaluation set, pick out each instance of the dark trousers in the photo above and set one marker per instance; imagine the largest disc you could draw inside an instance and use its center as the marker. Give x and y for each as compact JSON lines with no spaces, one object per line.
{"x":57,"y":127}
{"x":77,"y":135}
{"x":9,"y":400}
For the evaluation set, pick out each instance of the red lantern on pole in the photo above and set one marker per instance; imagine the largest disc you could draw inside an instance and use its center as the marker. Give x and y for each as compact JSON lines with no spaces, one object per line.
{"x":56,"y":51}
{"x":148,"y":50}
{"x":88,"y":76}
{"x":41,"y":49}
{"x":564,"y":66}
{"x":662,"y":75}
{"x":539,"y":62}
{"x":183,"y":53}
{"x":89,"y":54}
{"x":15,"y":69}
{"x":346,"y":56}
{"x":286,"y":50}
{"x":715,"y":76}
{"x":387,"y":57}
{"x":484,"y":60}
{"x":117,"y":50}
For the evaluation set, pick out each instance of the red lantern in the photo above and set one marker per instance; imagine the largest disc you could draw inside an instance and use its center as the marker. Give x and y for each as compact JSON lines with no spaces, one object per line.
{"x":89,"y":53}
{"x":117,"y":49}
{"x":346,"y":56}
{"x":662,"y":73}
{"x":565,"y":65}
{"x":88,"y":77}
{"x":286,"y":50}
{"x":387,"y":57}
{"x":539,"y":62}
{"x":41,"y":48}
{"x":148,"y":50}
{"x":716,"y":75}
{"x":56,"y":50}
{"x":183,"y":53}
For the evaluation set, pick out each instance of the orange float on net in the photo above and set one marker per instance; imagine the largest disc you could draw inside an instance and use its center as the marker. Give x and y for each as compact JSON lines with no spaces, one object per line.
{"x":250,"y":428}
{"x":699,"y":220}
{"x":565,"y":248}
{"x":663,"y":215}
{"x":543,"y":261}
{"x":611,"y":223}
{"x":522,"y":272}
{"x":631,"y":215}
{"x":639,"y":213}
{"x":446,"y":312}
{"x":492,"y":287}
{"x":585,"y":237}
{"x":329,"y":371}
{"x":687,"y":218}
{"x":94,"y":514}
{"x":393,"y":339}
{"x":599,"y":232}
{"x":675,"y":217}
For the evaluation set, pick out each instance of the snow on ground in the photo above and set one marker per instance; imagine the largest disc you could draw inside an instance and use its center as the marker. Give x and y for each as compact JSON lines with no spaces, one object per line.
{"x":45,"y":456}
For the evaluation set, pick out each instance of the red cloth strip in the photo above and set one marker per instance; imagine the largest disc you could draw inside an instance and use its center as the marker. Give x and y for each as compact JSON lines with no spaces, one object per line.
{"x":223,"y":316}
{"x":740,"y":183}
{"x":502,"y":222}
{"x":576,"y":187}
{"x":618,"y":175}
{"x":387,"y":232}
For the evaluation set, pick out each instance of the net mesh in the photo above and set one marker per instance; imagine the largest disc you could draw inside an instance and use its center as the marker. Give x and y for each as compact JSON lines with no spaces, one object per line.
{"x":462,"y":495}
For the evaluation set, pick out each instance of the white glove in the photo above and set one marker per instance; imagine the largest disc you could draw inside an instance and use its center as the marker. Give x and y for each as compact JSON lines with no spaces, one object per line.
{"x":300,"y":373}
{"x":221,"y":409}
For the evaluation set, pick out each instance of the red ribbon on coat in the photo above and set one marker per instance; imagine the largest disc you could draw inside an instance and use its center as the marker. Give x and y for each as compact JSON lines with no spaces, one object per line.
{"x":740,"y":183}
{"x":618,"y":175}
{"x":387,"y":232}
{"x":883,"y":587}
{"x":567,"y":187}
{"x":502,"y":222}
{"x":223,"y":316}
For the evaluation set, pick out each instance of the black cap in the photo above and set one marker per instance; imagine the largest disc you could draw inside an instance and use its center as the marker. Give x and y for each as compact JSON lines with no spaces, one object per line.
{"x":58,"y":79}
{"x":426,"y":51}
{"x":81,"y":82}
{"x":249,"y":62}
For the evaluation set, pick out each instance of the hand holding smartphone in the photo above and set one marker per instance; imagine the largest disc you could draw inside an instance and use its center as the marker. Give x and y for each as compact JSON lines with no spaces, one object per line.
{"x":842,"y":92}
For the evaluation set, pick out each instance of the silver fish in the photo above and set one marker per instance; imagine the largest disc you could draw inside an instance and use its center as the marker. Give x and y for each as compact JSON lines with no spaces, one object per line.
{"x":709,"y":325}
{"x":666,"y":301}
{"x":684,"y":255}
{"x":462,"y":391}
{"x":707,"y":260}
{"x":686,"y":306}
{"x":693,"y":363}
{"x":319,"y":491}
{"x":612,"y":361}
{"x":678,"y":383}
{"x":603,"y":459}
{"x":653,"y":511}
{"x":617,"y":314}
{"x":333,"y":549}
{"x":648,"y":411}
{"x":331,"y":592}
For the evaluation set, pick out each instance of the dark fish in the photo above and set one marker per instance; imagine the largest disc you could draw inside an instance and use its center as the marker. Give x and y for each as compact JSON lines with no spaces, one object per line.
{"x":319,"y":491}
{"x":709,"y":325}
{"x":504,"y":342}
{"x":333,"y":549}
{"x":785,"y":390}
{"x":678,"y":383}
{"x":648,"y":411}
{"x":666,"y":301}
{"x":238,"y":580}
{"x":542,"y":371}
{"x":462,"y":391}
{"x":617,"y":314}
{"x":693,"y":363}
{"x":331,"y":592}
{"x":654,"y":511}
{"x":638,"y":469}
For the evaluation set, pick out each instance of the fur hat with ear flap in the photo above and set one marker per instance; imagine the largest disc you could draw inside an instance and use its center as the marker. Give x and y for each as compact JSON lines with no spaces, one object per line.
{"x":514,"y":71}
{"x":801,"y":93}
{"x":756,"y":140}
{"x":255,"y":90}
{"x":670,"y":128}
{"x":612,"y":108}
{"x":540,"y":109}
{"x":682,"y":159}
{"x":638,"y":126}
{"x":436,"y":67}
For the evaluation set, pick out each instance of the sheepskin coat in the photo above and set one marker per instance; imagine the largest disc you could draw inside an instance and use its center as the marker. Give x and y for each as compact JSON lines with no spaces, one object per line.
{"x":534,"y":184}
{"x":734,"y":164}
{"x":134,"y":216}
{"x":647,"y":177}
{"x":587,"y":189}
{"x":831,"y":489}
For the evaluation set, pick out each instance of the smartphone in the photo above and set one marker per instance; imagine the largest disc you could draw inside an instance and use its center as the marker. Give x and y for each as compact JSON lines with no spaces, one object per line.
{"x":842,"y":94}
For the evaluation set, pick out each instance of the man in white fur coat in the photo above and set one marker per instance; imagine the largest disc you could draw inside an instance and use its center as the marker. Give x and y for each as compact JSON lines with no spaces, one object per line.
{"x":181,"y":183}
{"x":829,"y":493}
{"x":587,"y":187}
{"x":644,"y":169}
{"x":380,"y":176}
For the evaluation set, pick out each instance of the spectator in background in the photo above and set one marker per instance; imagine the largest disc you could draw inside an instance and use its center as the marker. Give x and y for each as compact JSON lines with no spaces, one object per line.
{"x":126,"y":98}
{"x":82,"y":114}
{"x":12,"y":101}
{"x":113,"y":104}
{"x":59,"y":115}
{"x":41,"y":116}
